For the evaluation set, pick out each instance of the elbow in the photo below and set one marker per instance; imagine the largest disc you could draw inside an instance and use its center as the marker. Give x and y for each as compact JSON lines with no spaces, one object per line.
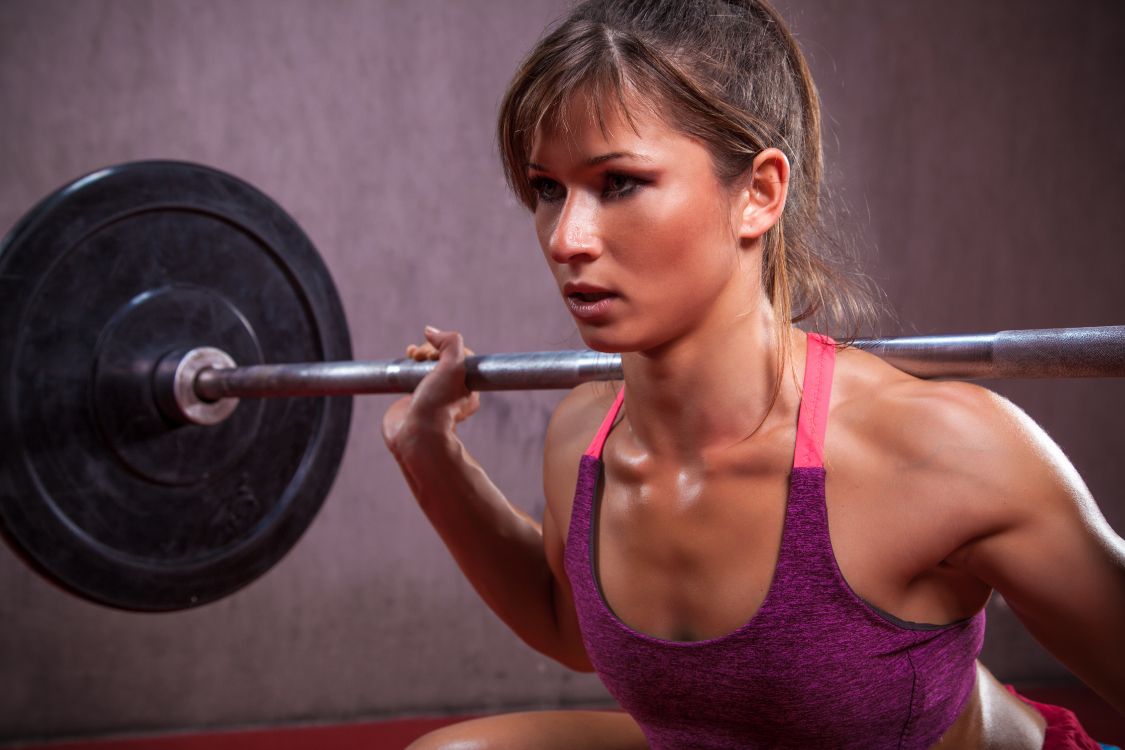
{"x":558,"y":650}
{"x":575,"y":662}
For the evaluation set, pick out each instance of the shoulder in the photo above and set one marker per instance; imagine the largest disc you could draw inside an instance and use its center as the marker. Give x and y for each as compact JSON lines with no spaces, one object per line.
{"x":864,"y":380}
{"x":576,"y":419}
{"x":955,"y":442}
{"x":579,"y":414}
{"x":573,"y":424}
{"x":911,"y":417}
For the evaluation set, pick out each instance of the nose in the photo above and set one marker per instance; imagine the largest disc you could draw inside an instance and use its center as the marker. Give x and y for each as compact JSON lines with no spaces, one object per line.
{"x":574,"y":237}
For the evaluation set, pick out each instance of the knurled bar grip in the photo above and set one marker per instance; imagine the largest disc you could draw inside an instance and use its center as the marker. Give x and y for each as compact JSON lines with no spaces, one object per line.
{"x":1039,"y":353}
{"x":1036,"y":353}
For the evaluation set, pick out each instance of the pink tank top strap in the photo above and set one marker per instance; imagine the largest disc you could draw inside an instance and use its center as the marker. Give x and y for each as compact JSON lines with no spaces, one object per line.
{"x":812,"y":421}
{"x":595,"y":449}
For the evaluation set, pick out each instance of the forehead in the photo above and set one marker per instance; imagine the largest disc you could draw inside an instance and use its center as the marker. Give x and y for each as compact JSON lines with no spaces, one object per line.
{"x":583,"y":123}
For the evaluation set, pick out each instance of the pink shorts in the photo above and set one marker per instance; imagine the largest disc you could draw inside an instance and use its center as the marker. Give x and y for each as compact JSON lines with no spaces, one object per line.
{"x":1064,"y":732}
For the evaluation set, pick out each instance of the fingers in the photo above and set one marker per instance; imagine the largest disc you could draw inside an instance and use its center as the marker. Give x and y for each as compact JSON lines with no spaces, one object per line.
{"x":431,"y":348}
{"x":428,"y":349}
{"x":441,"y":398}
{"x":447,"y":381}
{"x":421,"y":352}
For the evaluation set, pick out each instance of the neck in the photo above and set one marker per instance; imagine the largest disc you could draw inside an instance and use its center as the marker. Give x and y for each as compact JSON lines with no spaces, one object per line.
{"x":713,"y":389}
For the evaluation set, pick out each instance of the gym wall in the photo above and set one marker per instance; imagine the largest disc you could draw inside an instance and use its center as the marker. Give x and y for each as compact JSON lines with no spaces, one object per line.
{"x":978,"y":146}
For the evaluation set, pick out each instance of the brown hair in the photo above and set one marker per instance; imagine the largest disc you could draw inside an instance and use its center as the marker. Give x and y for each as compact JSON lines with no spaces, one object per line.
{"x":729,"y":74}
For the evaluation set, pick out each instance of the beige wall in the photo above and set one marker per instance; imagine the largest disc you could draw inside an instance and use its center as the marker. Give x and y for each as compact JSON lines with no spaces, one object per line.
{"x":978,"y":144}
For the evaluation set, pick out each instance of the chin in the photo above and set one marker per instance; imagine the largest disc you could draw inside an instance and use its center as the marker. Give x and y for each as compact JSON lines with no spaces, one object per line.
{"x":599,"y":340}
{"x":607,"y":340}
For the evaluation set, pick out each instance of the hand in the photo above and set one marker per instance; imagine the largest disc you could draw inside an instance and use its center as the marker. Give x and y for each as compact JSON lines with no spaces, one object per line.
{"x":441,"y":400}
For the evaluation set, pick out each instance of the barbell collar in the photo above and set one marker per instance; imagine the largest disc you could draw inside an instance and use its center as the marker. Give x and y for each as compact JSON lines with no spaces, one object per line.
{"x":173,"y":385}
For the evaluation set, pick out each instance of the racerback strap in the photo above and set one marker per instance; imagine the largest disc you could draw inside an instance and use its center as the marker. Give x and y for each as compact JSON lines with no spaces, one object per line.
{"x":812,"y":421}
{"x":595,"y":449}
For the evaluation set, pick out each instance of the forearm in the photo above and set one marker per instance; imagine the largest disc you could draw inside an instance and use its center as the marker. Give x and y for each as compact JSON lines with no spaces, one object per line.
{"x":499,"y":548}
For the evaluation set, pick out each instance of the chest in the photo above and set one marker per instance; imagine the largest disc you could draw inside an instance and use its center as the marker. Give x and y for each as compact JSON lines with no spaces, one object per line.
{"x":691,"y":555}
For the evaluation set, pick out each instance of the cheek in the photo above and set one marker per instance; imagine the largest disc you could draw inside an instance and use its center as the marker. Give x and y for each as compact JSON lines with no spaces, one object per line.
{"x":683,"y":234}
{"x":542,"y":229}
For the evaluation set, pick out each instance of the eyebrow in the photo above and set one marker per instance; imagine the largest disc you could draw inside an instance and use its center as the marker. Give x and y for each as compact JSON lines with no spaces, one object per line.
{"x":596,"y":160}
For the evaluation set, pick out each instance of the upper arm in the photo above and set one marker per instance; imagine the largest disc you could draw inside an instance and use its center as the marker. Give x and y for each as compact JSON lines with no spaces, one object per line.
{"x":572,"y":426}
{"x":1041,"y":542}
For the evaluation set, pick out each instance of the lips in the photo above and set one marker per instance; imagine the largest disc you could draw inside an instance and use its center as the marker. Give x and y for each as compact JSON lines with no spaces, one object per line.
{"x":584,"y":288}
{"x":588,"y":302}
{"x":590,"y":296}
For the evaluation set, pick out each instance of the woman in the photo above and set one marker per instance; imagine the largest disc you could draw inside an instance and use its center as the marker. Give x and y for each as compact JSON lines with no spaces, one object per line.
{"x":774,"y":541}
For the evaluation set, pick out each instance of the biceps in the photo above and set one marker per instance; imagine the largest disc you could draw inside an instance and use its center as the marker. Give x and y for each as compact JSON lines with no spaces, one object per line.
{"x":1054,"y":565}
{"x":1063,"y":573}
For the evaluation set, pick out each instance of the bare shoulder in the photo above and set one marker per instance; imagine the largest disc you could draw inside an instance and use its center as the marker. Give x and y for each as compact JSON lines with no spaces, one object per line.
{"x":965,"y":442}
{"x":578,"y":415}
{"x":572,"y":426}
{"x":873,"y":394}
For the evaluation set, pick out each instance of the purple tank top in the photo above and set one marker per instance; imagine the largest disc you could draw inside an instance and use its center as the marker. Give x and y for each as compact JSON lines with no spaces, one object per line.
{"x":815,"y":667}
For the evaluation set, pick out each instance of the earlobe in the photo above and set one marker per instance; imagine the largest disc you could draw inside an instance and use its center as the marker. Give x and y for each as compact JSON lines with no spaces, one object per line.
{"x":764,"y":193}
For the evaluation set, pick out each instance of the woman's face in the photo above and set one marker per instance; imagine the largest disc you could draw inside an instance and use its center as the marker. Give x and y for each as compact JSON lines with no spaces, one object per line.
{"x":639,"y":233}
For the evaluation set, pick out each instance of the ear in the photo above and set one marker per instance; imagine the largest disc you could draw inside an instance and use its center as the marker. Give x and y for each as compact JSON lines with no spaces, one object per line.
{"x":763,"y":193}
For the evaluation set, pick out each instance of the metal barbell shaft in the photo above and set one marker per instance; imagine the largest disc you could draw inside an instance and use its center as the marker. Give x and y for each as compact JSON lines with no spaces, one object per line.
{"x":492,"y":372}
{"x":1037,"y":353}
{"x":1040,"y":353}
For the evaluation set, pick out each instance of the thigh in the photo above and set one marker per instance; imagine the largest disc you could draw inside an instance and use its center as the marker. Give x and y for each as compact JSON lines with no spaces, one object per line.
{"x":539,"y":730}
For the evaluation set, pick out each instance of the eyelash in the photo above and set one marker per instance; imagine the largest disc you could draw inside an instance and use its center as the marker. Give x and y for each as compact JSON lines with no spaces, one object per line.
{"x":540,"y":186}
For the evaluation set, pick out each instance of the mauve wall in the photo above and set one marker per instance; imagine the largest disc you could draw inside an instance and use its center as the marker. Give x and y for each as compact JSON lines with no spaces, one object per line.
{"x":979,"y":145}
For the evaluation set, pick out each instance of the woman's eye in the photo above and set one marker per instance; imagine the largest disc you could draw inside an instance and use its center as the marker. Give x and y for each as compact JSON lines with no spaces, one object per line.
{"x":619,"y":185}
{"x":547,"y":191}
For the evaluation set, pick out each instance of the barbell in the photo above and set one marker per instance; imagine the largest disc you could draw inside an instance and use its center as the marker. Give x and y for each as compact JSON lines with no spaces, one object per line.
{"x":157,"y":321}
{"x":202,"y":386}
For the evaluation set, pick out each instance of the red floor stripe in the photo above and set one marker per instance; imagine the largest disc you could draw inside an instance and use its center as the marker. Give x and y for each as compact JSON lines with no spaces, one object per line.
{"x":383,"y":735}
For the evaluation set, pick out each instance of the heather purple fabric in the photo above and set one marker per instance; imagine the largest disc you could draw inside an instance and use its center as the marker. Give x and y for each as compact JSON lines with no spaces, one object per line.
{"x":816,"y":667}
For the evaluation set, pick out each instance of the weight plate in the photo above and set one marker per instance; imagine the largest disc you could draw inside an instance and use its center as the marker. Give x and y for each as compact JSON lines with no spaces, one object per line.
{"x":98,"y":488}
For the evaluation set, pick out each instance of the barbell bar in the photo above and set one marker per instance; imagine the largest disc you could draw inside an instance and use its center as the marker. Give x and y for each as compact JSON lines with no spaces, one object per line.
{"x":202,"y":385}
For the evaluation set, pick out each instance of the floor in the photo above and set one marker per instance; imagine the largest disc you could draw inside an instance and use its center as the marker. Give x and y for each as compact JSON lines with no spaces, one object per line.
{"x":1101,"y":721}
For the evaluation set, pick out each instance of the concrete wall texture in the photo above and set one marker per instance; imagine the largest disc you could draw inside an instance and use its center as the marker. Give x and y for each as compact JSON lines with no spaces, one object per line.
{"x":978,"y":145}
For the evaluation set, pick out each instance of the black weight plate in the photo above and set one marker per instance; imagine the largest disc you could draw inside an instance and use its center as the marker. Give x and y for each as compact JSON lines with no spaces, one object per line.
{"x":98,"y":489}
